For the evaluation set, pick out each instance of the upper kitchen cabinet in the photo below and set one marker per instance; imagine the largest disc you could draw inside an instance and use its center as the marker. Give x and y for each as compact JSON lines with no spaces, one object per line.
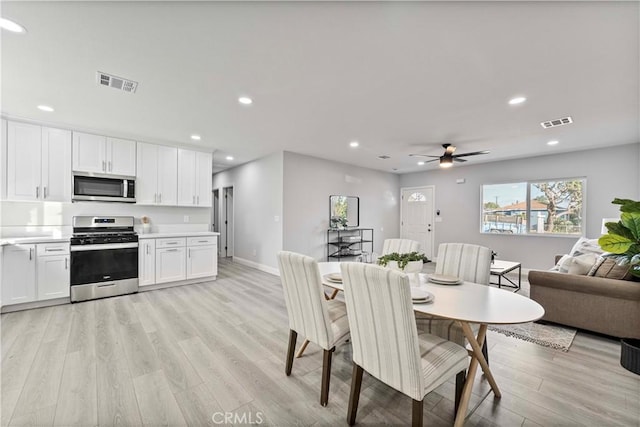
{"x":157,"y":177}
{"x":38,"y":163}
{"x":99,"y":154}
{"x":194,"y":178}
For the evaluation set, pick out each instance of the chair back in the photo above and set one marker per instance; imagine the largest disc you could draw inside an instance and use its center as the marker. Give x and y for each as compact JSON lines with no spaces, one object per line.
{"x":401,"y":246}
{"x":383,"y":327}
{"x":304,"y":298}
{"x":471,"y":263}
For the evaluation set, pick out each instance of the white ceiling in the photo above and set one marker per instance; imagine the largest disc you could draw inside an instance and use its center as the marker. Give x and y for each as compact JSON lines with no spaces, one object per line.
{"x":398,"y":77}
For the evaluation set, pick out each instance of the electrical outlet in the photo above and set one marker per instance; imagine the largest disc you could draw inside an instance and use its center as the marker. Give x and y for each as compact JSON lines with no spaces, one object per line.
{"x":186,"y":218}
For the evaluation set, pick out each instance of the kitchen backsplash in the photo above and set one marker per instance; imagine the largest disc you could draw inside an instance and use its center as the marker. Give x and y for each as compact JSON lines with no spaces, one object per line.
{"x":25,"y":219}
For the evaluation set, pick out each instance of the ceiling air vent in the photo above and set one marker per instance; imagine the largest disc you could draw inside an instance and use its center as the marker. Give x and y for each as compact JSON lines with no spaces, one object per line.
{"x":105,"y":79}
{"x":556,"y":122}
{"x":384,"y":157}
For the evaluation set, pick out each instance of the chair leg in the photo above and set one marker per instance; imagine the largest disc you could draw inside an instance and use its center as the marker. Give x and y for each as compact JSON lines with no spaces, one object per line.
{"x":354,"y":396}
{"x":460,"y":378}
{"x":416,"y":413}
{"x":326,"y":376}
{"x":293,"y":336}
{"x":485,"y":350}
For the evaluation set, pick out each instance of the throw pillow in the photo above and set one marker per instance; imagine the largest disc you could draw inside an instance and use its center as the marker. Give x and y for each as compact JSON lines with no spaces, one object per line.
{"x":563,"y":264}
{"x":597,"y":265}
{"x":611,"y":270}
{"x":586,"y":246}
{"x":582,"y":264}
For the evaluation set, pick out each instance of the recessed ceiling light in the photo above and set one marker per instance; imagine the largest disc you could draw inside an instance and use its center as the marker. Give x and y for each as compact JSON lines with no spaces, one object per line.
{"x":229,"y":157}
{"x":245,"y":100}
{"x":517,"y":100}
{"x":45,"y":108}
{"x":11,"y":26}
{"x":554,"y":142}
{"x":420,"y":163}
{"x":354,"y":144}
{"x":196,"y":137}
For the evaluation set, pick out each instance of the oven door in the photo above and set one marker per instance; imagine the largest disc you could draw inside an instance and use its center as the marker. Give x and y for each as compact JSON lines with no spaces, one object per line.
{"x":103,"y":263}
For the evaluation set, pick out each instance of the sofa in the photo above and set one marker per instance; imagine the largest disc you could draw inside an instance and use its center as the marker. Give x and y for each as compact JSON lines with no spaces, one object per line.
{"x":598,"y":304}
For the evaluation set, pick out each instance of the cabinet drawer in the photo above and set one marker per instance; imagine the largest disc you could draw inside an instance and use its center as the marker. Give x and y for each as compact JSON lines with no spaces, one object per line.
{"x":173,"y":242}
{"x":60,"y":248}
{"x":202,"y":241}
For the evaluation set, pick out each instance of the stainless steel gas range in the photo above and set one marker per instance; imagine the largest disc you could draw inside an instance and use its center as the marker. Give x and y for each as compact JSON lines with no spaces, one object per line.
{"x":104,"y":257}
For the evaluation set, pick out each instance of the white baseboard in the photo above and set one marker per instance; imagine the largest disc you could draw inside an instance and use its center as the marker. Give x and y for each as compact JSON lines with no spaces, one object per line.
{"x":257,"y":266}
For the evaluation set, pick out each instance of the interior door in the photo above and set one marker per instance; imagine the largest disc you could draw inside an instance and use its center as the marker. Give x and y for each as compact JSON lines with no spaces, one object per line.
{"x":227,"y":223}
{"x":417,"y":217}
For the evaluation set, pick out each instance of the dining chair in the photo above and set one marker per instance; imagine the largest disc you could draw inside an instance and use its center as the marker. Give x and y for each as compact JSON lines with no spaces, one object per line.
{"x":321,"y":321}
{"x":400,"y":246}
{"x":385,"y":340}
{"x":472,"y":263}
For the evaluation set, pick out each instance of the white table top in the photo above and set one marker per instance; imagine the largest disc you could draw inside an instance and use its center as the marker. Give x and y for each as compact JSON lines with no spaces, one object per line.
{"x":470,"y":302}
{"x":498,"y":265}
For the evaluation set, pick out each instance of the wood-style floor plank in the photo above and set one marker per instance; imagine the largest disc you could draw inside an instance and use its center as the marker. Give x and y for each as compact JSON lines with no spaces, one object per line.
{"x":178,"y":356}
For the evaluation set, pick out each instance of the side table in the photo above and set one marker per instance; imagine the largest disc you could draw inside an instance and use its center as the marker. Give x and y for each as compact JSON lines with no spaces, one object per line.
{"x":500,"y":268}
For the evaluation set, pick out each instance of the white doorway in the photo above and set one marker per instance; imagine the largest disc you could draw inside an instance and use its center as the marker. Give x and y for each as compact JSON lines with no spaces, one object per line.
{"x":416,"y":217}
{"x":215,"y":215}
{"x":226,"y":223}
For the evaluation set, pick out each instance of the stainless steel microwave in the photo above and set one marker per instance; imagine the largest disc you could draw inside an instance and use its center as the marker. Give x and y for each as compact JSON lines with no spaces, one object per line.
{"x":104,"y":188}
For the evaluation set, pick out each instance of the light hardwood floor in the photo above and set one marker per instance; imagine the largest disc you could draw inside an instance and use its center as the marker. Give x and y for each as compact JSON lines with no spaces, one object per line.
{"x":182,"y":355}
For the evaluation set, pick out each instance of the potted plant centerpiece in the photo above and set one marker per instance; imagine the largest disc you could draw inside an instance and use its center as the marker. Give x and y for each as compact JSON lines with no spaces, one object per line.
{"x":408,"y":262}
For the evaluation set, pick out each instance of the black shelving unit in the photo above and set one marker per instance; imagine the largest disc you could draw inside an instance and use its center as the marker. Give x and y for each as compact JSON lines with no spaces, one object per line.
{"x":348,"y":243}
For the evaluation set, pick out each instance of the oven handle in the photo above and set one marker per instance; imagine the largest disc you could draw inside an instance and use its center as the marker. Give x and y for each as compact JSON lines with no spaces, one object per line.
{"x":106,"y":246}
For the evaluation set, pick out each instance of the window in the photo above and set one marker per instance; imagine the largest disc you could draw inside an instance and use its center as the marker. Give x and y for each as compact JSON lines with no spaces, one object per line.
{"x":417,"y":197}
{"x":545,"y":207}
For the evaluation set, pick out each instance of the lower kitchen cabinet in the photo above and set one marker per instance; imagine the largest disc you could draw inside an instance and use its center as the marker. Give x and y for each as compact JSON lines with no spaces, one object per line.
{"x":147,"y":262}
{"x":201,"y":261}
{"x":170,"y":265}
{"x":18,"y":274}
{"x":53,"y":277}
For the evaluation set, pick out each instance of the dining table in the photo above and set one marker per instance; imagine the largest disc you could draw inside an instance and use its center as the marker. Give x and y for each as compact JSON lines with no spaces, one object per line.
{"x":467,"y":303}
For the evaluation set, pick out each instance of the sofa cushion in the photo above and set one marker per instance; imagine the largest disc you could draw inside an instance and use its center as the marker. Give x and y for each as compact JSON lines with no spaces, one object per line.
{"x":582,"y":264}
{"x":591,"y":285}
{"x":610,"y":269}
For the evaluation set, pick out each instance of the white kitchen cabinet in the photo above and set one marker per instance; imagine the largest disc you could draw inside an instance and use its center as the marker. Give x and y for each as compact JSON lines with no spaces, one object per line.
{"x":194,"y":178}
{"x":53,"y":276}
{"x":18,"y":274}
{"x":99,"y":154}
{"x":157,"y":174}
{"x":170,"y":264}
{"x":38,"y":163}
{"x":147,"y":262}
{"x":202,"y":261}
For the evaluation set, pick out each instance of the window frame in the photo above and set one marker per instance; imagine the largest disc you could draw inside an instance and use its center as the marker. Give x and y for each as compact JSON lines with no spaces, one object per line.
{"x":529,"y":183}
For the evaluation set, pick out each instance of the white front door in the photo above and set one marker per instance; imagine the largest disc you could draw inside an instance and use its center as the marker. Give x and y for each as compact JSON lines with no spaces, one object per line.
{"x":416,"y":217}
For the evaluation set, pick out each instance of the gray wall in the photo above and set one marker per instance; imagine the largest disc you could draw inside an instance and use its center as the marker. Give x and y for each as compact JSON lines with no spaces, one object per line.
{"x":610,"y":172}
{"x":308,"y":183}
{"x":257,"y":201}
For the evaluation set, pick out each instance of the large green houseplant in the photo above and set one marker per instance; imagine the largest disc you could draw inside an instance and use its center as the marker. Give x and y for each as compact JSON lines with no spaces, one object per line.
{"x":623,"y":238}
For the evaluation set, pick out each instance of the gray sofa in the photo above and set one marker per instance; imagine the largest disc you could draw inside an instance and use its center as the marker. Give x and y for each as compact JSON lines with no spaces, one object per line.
{"x":607,"y":306}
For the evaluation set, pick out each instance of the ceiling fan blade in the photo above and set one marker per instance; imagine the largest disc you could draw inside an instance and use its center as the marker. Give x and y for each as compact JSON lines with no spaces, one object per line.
{"x":422,"y":155}
{"x":434,"y":160}
{"x":456,"y":159}
{"x":475,"y":153}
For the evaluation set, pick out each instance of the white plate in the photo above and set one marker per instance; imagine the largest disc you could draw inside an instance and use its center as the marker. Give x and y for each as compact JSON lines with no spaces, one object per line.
{"x":420,"y":294}
{"x":437,"y":282}
{"x":333,"y":277}
{"x":444,"y":278}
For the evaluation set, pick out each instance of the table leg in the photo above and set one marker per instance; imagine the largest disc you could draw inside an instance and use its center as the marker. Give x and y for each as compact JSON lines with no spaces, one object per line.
{"x":477,"y":353}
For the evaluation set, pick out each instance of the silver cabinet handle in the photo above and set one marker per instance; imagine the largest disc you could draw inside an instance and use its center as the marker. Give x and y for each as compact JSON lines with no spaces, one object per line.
{"x":54,"y":249}
{"x":155,"y":197}
{"x":160,"y":198}
{"x":198,"y":199}
{"x":189,"y":253}
{"x":104,"y":166}
{"x":30,"y":254}
{"x":172,"y":250}
{"x":147,"y":249}
{"x":37,"y":192}
{"x":194,"y":200}
{"x":171,"y":243}
{"x":203,"y":241}
{"x":109,"y":163}
{"x":66,"y":263}
{"x":45,"y":192}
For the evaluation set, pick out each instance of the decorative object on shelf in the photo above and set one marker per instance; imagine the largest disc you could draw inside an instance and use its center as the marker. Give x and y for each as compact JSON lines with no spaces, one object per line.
{"x":344,"y":210}
{"x":351,"y":242}
{"x":623,"y":239}
{"x":494,"y":255}
{"x":146,"y":224}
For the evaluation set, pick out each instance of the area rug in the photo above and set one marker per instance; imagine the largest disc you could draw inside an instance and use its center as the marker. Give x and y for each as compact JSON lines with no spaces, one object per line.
{"x":554,"y":336}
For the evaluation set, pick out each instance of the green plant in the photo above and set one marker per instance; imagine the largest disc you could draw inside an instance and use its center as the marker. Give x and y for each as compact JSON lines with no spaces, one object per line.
{"x":401,"y":259}
{"x":623,"y":239}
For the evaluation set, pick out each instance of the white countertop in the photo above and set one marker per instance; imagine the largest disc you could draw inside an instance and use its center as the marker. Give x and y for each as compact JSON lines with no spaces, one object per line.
{"x":177,"y":234}
{"x":28,"y":240}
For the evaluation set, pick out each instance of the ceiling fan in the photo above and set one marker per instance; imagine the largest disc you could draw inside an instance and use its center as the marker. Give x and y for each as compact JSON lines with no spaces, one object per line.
{"x":447,"y":159}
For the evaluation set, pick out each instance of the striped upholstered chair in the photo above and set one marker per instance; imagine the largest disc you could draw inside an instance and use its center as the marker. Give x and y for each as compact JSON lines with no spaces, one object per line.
{"x":400,"y":246}
{"x":386,"y":342}
{"x":472,"y":263}
{"x":310,"y":314}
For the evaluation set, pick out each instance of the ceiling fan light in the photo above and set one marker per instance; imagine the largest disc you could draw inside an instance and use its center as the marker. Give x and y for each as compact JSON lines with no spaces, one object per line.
{"x":446,"y":162}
